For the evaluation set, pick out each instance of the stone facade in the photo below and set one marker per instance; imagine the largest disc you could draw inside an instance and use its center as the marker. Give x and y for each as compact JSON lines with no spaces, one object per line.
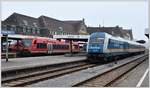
{"x":22,"y":24}
{"x":47,"y":27}
{"x":44,"y":26}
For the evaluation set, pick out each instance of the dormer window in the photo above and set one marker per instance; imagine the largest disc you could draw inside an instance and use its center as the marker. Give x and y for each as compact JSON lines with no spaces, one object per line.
{"x":25,"y":22}
{"x":13,"y":28}
{"x":38,"y":31}
{"x":60,"y":29}
{"x":35,"y":25}
{"x":112,"y":32}
{"x":24,"y":29}
{"x":4,"y":27}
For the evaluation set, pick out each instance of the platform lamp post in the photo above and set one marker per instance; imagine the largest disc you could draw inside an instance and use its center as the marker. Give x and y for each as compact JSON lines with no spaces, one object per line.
{"x":6,"y":36}
{"x":70,"y":47}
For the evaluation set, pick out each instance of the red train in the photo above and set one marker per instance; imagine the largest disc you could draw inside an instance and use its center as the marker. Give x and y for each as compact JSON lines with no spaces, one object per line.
{"x":43,"y":46}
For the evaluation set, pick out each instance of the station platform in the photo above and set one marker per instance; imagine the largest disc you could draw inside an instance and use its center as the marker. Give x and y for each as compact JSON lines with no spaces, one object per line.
{"x":28,"y":62}
{"x":72,"y":79}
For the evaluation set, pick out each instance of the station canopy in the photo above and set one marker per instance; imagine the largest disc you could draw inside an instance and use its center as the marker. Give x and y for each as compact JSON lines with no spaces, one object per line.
{"x":72,"y":37}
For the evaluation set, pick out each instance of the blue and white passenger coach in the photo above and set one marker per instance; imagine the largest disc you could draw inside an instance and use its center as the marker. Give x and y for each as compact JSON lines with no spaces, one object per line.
{"x":103,"y":46}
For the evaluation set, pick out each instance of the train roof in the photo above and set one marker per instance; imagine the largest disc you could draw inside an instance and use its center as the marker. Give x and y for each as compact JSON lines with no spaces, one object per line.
{"x":117,"y":38}
{"x":122,"y":39}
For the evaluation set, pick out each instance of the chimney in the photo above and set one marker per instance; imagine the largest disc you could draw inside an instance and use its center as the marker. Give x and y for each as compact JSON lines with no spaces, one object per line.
{"x":83,"y":19}
{"x":99,"y":25}
{"x":117,"y":26}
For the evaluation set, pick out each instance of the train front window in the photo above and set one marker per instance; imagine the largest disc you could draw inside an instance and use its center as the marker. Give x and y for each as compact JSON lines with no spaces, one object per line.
{"x":27,"y":42}
{"x":96,"y":40}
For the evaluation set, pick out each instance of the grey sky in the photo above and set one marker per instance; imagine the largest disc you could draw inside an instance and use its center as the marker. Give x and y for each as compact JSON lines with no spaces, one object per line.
{"x":108,"y":13}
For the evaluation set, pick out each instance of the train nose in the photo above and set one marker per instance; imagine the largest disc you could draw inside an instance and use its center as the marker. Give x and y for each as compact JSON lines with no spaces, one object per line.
{"x":95,"y":50}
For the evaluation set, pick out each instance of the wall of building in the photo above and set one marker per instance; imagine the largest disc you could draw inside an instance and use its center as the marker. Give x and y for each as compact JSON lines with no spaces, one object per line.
{"x":43,"y":26}
{"x":47,"y":27}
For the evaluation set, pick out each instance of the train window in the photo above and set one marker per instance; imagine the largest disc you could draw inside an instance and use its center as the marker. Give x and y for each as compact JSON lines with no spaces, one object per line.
{"x":41,"y":45}
{"x":110,"y":43}
{"x":55,"y":46}
{"x":115,"y":44}
{"x":126,"y":45}
{"x":66,"y":46}
{"x":59,"y":46}
{"x":63,"y":46}
{"x":96,"y":40}
{"x":27,"y":42}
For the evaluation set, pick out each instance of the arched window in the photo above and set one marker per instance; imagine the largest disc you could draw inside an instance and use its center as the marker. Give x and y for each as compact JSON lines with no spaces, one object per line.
{"x":24,"y":29}
{"x":35,"y":24}
{"x":33,"y":30}
{"x":38,"y":31}
{"x":19,"y":29}
{"x":4,"y":27}
{"x":25,"y":22}
{"x":28,"y":30}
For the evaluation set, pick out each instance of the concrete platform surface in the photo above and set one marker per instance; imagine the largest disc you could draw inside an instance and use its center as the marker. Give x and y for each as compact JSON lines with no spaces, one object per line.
{"x":132,"y":78}
{"x":145,"y":82}
{"x":27,"y":62}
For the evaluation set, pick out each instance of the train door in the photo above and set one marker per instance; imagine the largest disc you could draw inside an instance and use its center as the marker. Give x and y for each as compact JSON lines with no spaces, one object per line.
{"x":50,"y":48}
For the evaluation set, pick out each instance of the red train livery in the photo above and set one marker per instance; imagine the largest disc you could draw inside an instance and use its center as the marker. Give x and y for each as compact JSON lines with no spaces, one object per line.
{"x":43,"y":45}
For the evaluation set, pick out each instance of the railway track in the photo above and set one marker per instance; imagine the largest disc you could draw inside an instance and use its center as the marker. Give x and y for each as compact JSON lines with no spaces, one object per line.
{"x":108,"y":77}
{"x":25,"y":79}
{"x":51,"y":72}
{"x":8,"y":73}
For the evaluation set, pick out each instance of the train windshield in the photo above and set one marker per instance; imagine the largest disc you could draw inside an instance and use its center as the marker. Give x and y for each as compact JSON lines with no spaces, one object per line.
{"x":27,"y":42}
{"x":96,"y":40}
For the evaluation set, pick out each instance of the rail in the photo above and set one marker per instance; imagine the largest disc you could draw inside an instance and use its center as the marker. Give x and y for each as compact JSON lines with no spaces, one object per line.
{"x":30,"y":78}
{"x":109,"y":76}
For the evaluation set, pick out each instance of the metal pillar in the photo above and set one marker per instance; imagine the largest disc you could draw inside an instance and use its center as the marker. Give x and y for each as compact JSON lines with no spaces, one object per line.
{"x":6,"y":47}
{"x":70,"y":47}
{"x":17,"y":46}
{"x":2,"y":45}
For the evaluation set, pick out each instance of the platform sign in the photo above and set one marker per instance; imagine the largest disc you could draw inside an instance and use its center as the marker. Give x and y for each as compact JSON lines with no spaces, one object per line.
{"x":7,"y":32}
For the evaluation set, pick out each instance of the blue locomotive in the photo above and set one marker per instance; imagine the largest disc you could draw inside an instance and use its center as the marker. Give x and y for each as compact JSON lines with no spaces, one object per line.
{"x":103,"y":46}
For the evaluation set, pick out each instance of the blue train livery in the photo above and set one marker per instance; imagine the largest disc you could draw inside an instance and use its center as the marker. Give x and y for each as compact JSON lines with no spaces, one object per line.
{"x":103,"y":46}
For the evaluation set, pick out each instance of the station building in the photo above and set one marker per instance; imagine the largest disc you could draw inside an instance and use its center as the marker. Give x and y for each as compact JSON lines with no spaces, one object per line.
{"x":42,"y":26}
{"x":47,"y":27}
